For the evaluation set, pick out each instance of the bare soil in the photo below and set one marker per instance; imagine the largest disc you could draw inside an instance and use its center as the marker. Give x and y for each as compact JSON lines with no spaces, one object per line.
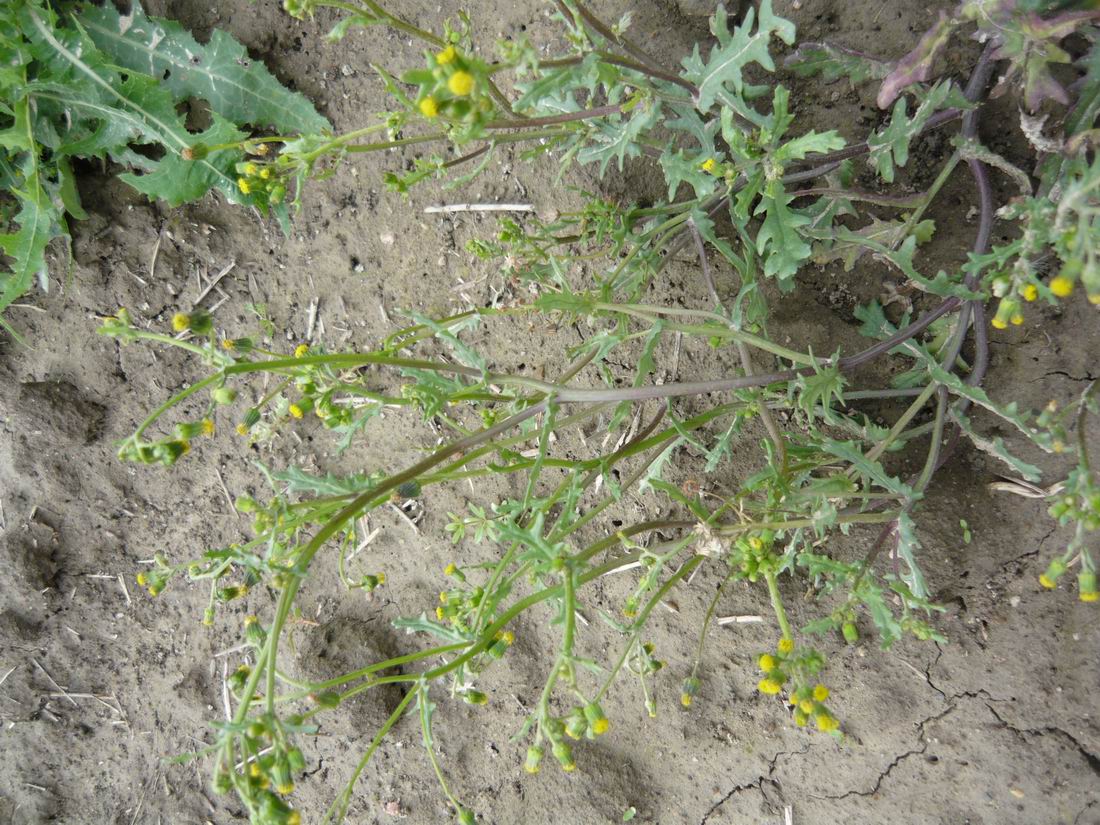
{"x":99,"y":684}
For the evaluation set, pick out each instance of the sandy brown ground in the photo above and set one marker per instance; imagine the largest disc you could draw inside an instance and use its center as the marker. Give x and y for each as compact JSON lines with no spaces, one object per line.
{"x":1000,"y":725}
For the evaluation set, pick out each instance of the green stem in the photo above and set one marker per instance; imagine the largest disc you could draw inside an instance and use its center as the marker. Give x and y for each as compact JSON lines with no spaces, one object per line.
{"x":777,"y":605}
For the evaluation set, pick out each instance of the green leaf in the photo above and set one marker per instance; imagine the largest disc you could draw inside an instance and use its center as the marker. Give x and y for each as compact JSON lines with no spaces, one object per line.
{"x":466,"y":355}
{"x":681,"y":168}
{"x":809,"y":144}
{"x":722,"y":71}
{"x":39,"y":222}
{"x":558,"y":83}
{"x":849,"y":451}
{"x":908,"y":545}
{"x":890,"y":146}
{"x":615,"y":139}
{"x":778,"y":242}
{"x":821,"y":389}
{"x":238,"y":88}
{"x":177,"y":181}
{"x":835,"y":62}
{"x":886,"y":234}
{"x":996,"y":447}
{"x":943,"y":284}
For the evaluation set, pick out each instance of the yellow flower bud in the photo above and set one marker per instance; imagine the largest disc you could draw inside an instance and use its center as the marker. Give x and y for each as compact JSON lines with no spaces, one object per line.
{"x":1030,"y":292}
{"x":446,"y":56}
{"x":428,"y":107}
{"x":769,"y":686}
{"x":767,"y":662}
{"x":301,"y":350}
{"x":1061,"y":286}
{"x":821,"y":693}
{"x":244,"y":186}
{"x":708,"y":165}
{"x":461,"y":83}
{"x":999,"y":323}
{"x":786,"y":645}
{"x":180,"y":321}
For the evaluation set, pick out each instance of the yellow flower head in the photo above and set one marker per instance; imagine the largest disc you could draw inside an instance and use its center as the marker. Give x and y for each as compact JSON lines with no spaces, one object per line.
{"x":708,"y":165}
{"x":228,"y":343}
{"x":180,"y":321}
{"x":446,"y":56}
{"x":769,"y":686}
{"x":827,"y":724}
{"x":142,"y":579}
{"x":461,"y":83}
{"x":1090,"y":597}
{"x":251,"y":169}
{"x":767,"y":662}
{"x":1030,"y":292}
{"x":428,"y":107}
{"x":296,"y":411}
{"x":507,"y":637}
{"x":255,"y":770}
{"x":786,"y":645}
{"x":301,"y":350}
{"x":207,"y":427}
{"x":806,"y":706}
{"x":685,"y":700}
{"x":244,"y":185}
{"x":1094,"y":299}
{"x":294,"y":818}
{"x":821,"y":693}
{"x":600,"y":726}
{"x":242,"y":429}
{"x":1016,"y":319}
{"x":450,"y":569}
{"x":439,"y":613}
{"x":1047,"y":582}
{"x":1061,"y":286}
{"x":999,"y":322}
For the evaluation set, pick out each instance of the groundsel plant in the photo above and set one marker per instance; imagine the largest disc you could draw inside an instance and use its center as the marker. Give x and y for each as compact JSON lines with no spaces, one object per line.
{"x":745,"y":185}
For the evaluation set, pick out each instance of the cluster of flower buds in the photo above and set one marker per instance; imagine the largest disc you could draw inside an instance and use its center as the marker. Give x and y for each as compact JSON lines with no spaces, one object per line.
{"x":155,"y":578}
{"x":787,"y":664}
{"x":269,"y":773}
{"x":455,"y":87}
{"x":752,"y":556}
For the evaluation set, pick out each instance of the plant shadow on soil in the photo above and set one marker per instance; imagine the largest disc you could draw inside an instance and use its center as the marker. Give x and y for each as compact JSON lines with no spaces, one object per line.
{"x":1001,"y":725}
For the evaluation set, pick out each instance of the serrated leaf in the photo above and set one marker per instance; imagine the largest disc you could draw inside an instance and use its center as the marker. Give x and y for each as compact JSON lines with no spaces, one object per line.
{"x":465,"y":354}
{"x":616,"y":139}
{"x":688,"y":121}
{"x":778,"y":242}
{"x":722,"y":71}
{"x":809,"y":144}
{"x":996,"y":447}
{"x":39,"y":222}
{"x":1009,"y":412}
{"x":821,"y":389}
{"x":890,"y":146}
{"x":238,"y":88}
{"x":902,"y":257}
{"x":682,"y":168}
{"x":705,"y":226}
{"x":835,"y":62}
{"x":887,"y":233}
{"x":908,"y":544}
{"x":849,"y":451}
{"x":177,"y":181}
{"x":557,"y":83}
